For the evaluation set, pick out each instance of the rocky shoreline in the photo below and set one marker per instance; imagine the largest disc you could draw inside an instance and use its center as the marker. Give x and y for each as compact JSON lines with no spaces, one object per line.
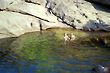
{"x":21,"y":16}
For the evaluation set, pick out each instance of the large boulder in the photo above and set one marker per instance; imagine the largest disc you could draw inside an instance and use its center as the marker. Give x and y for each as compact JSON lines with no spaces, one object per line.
{"x":21,"y":16}
{"x":14,"y":24}
{"x":31,"y":9}
{"x":79,"y":14}
{"x":18,"y":17}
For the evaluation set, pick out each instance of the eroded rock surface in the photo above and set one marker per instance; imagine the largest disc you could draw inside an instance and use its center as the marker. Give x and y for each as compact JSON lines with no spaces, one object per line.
{"x":80,"y":14}
{"x":20,"y":16}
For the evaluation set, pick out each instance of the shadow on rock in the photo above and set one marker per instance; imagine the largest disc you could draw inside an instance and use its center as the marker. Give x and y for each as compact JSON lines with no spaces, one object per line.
{"x":93,"y":25}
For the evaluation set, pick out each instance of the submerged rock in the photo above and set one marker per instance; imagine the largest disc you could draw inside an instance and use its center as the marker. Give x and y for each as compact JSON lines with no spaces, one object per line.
{"x":102,"y":69}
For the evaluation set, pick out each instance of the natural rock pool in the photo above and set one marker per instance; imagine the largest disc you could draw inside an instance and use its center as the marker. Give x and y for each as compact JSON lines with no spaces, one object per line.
{"x":46,"y":52}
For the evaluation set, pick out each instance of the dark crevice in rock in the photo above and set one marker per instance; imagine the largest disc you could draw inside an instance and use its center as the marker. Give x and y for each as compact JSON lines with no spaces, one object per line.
{"x":11,"y":3}
{"x":31,"y":24}
{"x":59,"y":19}
{"x":50,"y":6}
{"x":46,"y":3}
{"x":72,"y":21}
{"x":77,"y":6}
{"x":32,"y":2}
{"x":49,"y":9}
{"x":24,"y":13}
{"x":84,"y":15}
{"x":40,"y":25}
{"x":68,"y":24}
{"x":33,"y":16}
{"x":62,"y":17}
{"x":78,"y":21}
{"x":1,"y":9}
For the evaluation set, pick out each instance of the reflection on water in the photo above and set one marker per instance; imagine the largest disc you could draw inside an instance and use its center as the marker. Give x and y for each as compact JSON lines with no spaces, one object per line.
{"x":48,"y":53}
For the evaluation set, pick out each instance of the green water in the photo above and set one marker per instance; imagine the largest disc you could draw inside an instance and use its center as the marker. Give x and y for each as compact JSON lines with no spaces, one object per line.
{"x":47,"y":52}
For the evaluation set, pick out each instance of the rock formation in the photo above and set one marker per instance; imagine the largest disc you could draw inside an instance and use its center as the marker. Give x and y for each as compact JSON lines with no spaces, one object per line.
{"x":80,"y":14}
{"x":21,"y":16}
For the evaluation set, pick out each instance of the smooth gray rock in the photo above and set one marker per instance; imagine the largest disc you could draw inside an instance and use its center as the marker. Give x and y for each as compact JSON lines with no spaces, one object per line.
{"x":102,"y":69}
{"x":79,"y":14}
{"x":17,"y":16}
{"x":5,"y":3}
{"x":15,"y":24}
{"x":31,"y":9}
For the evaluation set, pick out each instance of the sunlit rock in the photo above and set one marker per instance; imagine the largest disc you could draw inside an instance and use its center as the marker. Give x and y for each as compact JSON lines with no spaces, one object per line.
{"x":78,"y":14}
